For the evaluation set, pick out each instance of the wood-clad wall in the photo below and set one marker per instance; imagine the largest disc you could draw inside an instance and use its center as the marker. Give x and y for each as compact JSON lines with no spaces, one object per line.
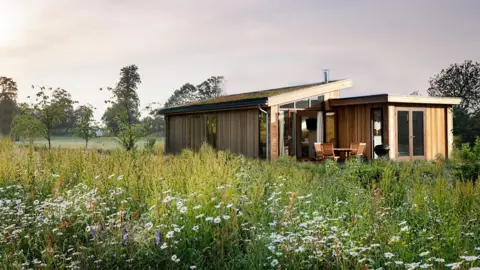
{"x":354,"y":125}
{"x":237,"y":131}
{"x":435,"y":132}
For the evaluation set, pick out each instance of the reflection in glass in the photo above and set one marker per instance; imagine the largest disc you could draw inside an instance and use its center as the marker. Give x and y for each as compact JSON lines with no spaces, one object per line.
{"x":417,"y":129}
{"x":212,"y":130}
{"x":330,"y":127}
{"x":377,"y":132}
{"x":403,"y":134}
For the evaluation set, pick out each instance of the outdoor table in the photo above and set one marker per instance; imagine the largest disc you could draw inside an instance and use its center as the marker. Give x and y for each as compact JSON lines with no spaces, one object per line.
{"x":347,"y":151}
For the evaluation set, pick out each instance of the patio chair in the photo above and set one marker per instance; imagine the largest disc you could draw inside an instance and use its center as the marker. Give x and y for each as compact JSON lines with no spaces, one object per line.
{"x":318,"y":151}
{"x":360,"y":150}
{"x":354,"y":146}
{"x":328,"y":151}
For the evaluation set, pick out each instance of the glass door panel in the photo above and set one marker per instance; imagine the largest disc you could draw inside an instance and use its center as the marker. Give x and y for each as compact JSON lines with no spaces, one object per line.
{"x":403,"y":133}
{"x":418,"y":133}
{"x":377,"y":129}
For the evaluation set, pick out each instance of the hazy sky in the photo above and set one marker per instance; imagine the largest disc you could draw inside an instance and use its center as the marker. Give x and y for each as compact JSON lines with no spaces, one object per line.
{"x":384,"y":46}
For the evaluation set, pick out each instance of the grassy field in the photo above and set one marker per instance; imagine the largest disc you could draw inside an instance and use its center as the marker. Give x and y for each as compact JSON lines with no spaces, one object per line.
{"x":70,"y":208}
{"x":107,"y":143}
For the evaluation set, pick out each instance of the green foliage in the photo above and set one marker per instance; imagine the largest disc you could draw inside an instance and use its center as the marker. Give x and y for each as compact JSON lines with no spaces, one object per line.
{"x":461,"y":80}
{"x":26,"y":125}
{"x":150,"y":145}
{"x":466,"y":161}
{"x":51,"y":106}
{"x":212,"y":87}
{"x":8,"y":98}
{"x":215,"y":210}
{"x":85,"y":127}
{"x":122,"y":117}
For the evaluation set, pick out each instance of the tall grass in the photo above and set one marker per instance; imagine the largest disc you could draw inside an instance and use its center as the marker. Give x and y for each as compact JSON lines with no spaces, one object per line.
{"x":87,"y":209}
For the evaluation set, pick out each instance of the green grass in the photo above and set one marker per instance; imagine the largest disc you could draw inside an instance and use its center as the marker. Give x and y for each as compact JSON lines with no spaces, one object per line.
{"x":70,"y":208}
{"x":106,"y":143}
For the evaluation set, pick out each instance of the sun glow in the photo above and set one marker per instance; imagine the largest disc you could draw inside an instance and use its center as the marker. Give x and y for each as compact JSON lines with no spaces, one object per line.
{"x":9,"y":25}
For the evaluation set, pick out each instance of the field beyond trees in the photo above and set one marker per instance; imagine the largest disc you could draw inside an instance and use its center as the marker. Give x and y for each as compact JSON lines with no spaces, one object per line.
{"x":104,"y":143}
{"x":84,"y":209}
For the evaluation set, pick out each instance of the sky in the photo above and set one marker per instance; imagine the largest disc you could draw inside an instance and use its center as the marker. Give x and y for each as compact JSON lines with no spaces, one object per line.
{"x":383,"y":46}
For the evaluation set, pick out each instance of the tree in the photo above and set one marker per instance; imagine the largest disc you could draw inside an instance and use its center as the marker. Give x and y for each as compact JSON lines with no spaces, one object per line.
{"x":51,"y":106}
{"x":85,"y":126}
{"x":26,"y":124}
{"x":186,"y":94}
{"x":155,"y":125}
{"x":124,"y":111}
{"x":211,"y":88}
{"x":461,"y":80}
{"x":8,"y":98}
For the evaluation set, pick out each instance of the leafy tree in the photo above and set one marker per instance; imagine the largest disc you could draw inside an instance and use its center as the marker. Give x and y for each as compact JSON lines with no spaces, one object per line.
{"x":8,"y":98}
{"x":186,"y":94}
{"x":155,"y":125}
{"x":51,"y":105}
{"x":26,"y":124}
{"x":461,"y":80}
{"x":85,"y":126}
{"x":124,"y":113}
{"x":66,"y":123}
{"x":211,"y":88}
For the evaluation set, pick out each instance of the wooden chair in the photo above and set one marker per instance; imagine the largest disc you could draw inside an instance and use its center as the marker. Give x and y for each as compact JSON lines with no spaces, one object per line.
{"x":318,"y":151}
{"x":360,"y":150}
{"x":354,"y":146}
{"x":328,"y":151}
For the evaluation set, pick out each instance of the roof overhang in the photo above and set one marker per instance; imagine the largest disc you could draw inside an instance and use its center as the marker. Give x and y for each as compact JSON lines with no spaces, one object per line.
{"x":308,"y":92}
{"x":238,"y":104}
{"x":386,"y":98}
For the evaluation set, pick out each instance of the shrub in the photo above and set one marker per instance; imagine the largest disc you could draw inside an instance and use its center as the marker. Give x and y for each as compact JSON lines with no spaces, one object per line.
{"x":466,"y":161}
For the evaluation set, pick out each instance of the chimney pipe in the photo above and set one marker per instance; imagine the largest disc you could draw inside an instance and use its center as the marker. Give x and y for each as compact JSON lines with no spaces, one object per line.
{"x":326,"y":76}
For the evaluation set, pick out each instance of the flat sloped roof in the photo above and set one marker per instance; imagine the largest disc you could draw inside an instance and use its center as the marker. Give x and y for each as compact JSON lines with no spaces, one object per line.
{"x":386,"y":98}
{"x":236,"y":100}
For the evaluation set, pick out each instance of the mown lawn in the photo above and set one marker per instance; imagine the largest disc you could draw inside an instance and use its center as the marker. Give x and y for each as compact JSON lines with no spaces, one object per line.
{"x":70,"y":208}
{"x":106,"y":143}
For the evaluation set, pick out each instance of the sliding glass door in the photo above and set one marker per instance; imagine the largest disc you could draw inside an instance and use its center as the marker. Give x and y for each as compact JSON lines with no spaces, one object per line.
{"x":410,"y":133}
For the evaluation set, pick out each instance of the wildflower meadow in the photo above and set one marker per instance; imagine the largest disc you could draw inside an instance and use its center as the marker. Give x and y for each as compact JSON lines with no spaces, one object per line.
{"x":86,"y":209}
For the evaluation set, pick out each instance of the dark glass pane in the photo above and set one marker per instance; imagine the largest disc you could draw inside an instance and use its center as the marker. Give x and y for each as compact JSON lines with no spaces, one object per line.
{"x":301,"y":104}
{"x":403,"y":134}
{"x":263,"y":135}
{"x":330,"y":127}
{"x":287,"y":106}
{"x":418,"y":138}
{"x":212,"y":130}
{"x":316,"y":102}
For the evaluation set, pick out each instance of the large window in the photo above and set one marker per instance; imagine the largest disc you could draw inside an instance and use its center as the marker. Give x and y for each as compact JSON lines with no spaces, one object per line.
{"x":316,"y":102}
{"x":330,"y":128}
{"x":262,"y":118}
{"x":212,"y":130}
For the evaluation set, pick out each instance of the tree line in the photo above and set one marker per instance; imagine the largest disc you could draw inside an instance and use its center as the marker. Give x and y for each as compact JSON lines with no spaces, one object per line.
{"x":52,"y":112}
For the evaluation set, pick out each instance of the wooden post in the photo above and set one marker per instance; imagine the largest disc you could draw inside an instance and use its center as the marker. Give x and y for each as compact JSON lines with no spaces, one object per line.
{"x":392,"y":132}
{"x":273,"y":132}
{"x":449,"y":114}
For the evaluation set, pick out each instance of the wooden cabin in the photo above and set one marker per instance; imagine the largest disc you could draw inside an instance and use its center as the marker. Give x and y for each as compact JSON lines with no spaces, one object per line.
{"x":288,"y":121}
